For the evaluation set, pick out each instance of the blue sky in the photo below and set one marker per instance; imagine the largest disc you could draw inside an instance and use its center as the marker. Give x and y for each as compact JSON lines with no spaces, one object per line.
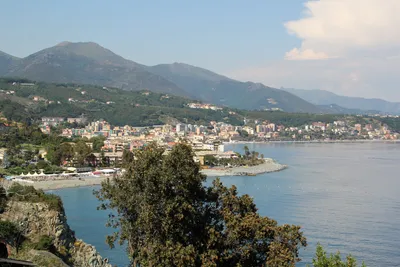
{"x":212,"y":34}
{"x":350,"y":47}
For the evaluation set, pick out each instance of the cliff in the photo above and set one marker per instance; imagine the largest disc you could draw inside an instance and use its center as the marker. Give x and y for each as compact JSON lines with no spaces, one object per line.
{"x":39,"y":219}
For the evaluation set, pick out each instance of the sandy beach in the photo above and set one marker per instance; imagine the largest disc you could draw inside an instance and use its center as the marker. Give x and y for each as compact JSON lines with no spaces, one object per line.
{"x":60,"y":184}
{"x":270,"y":165}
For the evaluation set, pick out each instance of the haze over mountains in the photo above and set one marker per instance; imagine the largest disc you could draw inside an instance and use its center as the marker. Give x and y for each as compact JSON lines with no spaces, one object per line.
{"x":322,"y":97}
{"x":90,"y":63}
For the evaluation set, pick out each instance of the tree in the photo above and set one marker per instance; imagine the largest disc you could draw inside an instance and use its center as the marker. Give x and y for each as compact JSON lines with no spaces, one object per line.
{"x":10,"y":232}
{"x":98,"y":143}
{"x":127,"y":158}
{"x":58,"y":154}
{"x":169,"y":218}
{"x":334,"y":260}
{"x":82,"y":152}
{"x":3,"y":199}
{"x":246,"y":151}
{"x":104,"y":160}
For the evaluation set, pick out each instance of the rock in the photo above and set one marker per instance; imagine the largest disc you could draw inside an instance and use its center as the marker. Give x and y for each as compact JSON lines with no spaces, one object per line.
{"x":45,"y":258}
{"x":45,"y":221}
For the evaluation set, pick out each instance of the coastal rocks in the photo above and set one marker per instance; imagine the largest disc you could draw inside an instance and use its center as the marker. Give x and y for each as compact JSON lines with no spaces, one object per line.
{"x":269,"y":165}
{"x":85,"y":253}
{"x":37,"y":219}
{"x":45,"y":258}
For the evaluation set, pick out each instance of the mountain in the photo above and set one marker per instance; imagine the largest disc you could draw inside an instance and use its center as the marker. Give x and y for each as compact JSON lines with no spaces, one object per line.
{"x":6,"y":63}
{"x":89,"y":63}
{"x":322,"y":97}
{"x":119,"y":107}
{"x":336,"y":109}
{"x":210,"y":87}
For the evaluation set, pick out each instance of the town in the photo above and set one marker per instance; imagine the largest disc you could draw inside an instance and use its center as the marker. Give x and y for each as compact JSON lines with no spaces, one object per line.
{"x":205,"y":137}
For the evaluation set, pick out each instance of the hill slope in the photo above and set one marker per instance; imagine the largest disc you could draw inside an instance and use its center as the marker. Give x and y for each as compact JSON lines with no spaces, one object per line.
{"x":119,"y":107}
{"x":89,"y":63}
{"x":6,"y":63}
{"x":217,"y":89}
{"x":321,"y":97}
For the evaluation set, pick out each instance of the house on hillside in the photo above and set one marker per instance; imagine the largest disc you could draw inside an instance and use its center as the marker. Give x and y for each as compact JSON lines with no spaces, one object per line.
{"x":52,"y":121}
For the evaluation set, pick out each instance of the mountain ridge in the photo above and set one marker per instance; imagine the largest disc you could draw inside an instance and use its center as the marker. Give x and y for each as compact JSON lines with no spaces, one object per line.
{"x":90,"y":63}
{"x":323,"y":97}
{"x":217,"y":89}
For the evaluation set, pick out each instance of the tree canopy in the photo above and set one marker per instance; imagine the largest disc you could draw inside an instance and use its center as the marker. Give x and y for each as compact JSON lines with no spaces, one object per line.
{"x":169,"y":218}
{"x":333,"y":260}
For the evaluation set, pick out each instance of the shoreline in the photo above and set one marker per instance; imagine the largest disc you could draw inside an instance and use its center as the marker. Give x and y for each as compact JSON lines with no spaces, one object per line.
{"x":312,"y":141}
{"x":268,"y":166}
{"x":62,"y":184}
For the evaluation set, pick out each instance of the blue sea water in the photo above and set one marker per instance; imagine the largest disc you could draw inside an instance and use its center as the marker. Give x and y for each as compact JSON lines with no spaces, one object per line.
{"x":345,"y":196}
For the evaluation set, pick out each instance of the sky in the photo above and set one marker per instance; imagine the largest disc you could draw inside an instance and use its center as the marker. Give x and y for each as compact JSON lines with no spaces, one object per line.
{"x":349,"y":47}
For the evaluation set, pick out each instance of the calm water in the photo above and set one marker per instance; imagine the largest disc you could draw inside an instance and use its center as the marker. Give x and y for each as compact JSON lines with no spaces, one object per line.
{"x":345,"y":196}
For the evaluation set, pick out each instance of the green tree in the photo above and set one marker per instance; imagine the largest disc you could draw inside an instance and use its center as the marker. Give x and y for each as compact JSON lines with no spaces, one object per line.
{"x":127,"y":158}
{"x":3,"y":199}
{"x":82,"y":152}
{"x":98,"y":143}
{"x":104,"y":161}
{"x":29,"y":154}
{"x":169,"y":218}
{"x":10,"y":232}
{"x":333,"y":260}
{"x":246,"y":151}
{"x":58,"y":154}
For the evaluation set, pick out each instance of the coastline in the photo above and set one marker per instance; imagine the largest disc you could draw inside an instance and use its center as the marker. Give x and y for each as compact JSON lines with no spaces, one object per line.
{"x":312,"y":141}
{"x":269,"y":165}
{"x":61,"y":184}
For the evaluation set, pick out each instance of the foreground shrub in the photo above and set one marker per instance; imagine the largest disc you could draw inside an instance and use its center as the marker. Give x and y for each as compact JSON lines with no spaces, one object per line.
{"x":45,"y":243}
{"x":333,"y":260}
{"x":10,"y":232}
{"x":29,"y":193}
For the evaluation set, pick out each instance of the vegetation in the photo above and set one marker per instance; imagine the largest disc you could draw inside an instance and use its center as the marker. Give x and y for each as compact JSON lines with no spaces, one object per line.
{"x":333,"y":260}
{"x":3,"y":199}
{"x":127,"y":158}
{"x":10,"y":232}
{"x":20,"y":192}
{"x":139,"y":108}
{"x":169,"y":218}
{"x":45,"y":243}
{"x":249,"y":158}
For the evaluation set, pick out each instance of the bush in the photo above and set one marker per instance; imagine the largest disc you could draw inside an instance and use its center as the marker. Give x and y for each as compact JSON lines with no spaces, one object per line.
{"x":10,"y":232}
{"x":29,"y":193}
{"x":42,"y":164}
{"x":3,"y":199}
{"x":45,"y":243}
{"x":321,"y":259}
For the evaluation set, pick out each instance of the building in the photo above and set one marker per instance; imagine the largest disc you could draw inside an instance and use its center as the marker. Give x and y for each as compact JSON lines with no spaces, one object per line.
{"x":80,"y":120}
{"x":52,"y":121}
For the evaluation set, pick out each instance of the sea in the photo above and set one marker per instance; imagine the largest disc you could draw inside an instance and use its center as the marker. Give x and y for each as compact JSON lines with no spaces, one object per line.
{"x":345,"y":196}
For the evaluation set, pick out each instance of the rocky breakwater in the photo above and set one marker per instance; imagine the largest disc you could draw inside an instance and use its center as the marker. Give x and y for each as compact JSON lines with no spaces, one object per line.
{"x":41,"y":219}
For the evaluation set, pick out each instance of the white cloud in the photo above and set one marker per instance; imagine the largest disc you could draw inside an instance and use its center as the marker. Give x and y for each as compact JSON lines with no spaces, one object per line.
{"x":349,"y":47}
{"x":365,"y":77}
{"x":307,"y":54}
{"x":334,"y":28}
